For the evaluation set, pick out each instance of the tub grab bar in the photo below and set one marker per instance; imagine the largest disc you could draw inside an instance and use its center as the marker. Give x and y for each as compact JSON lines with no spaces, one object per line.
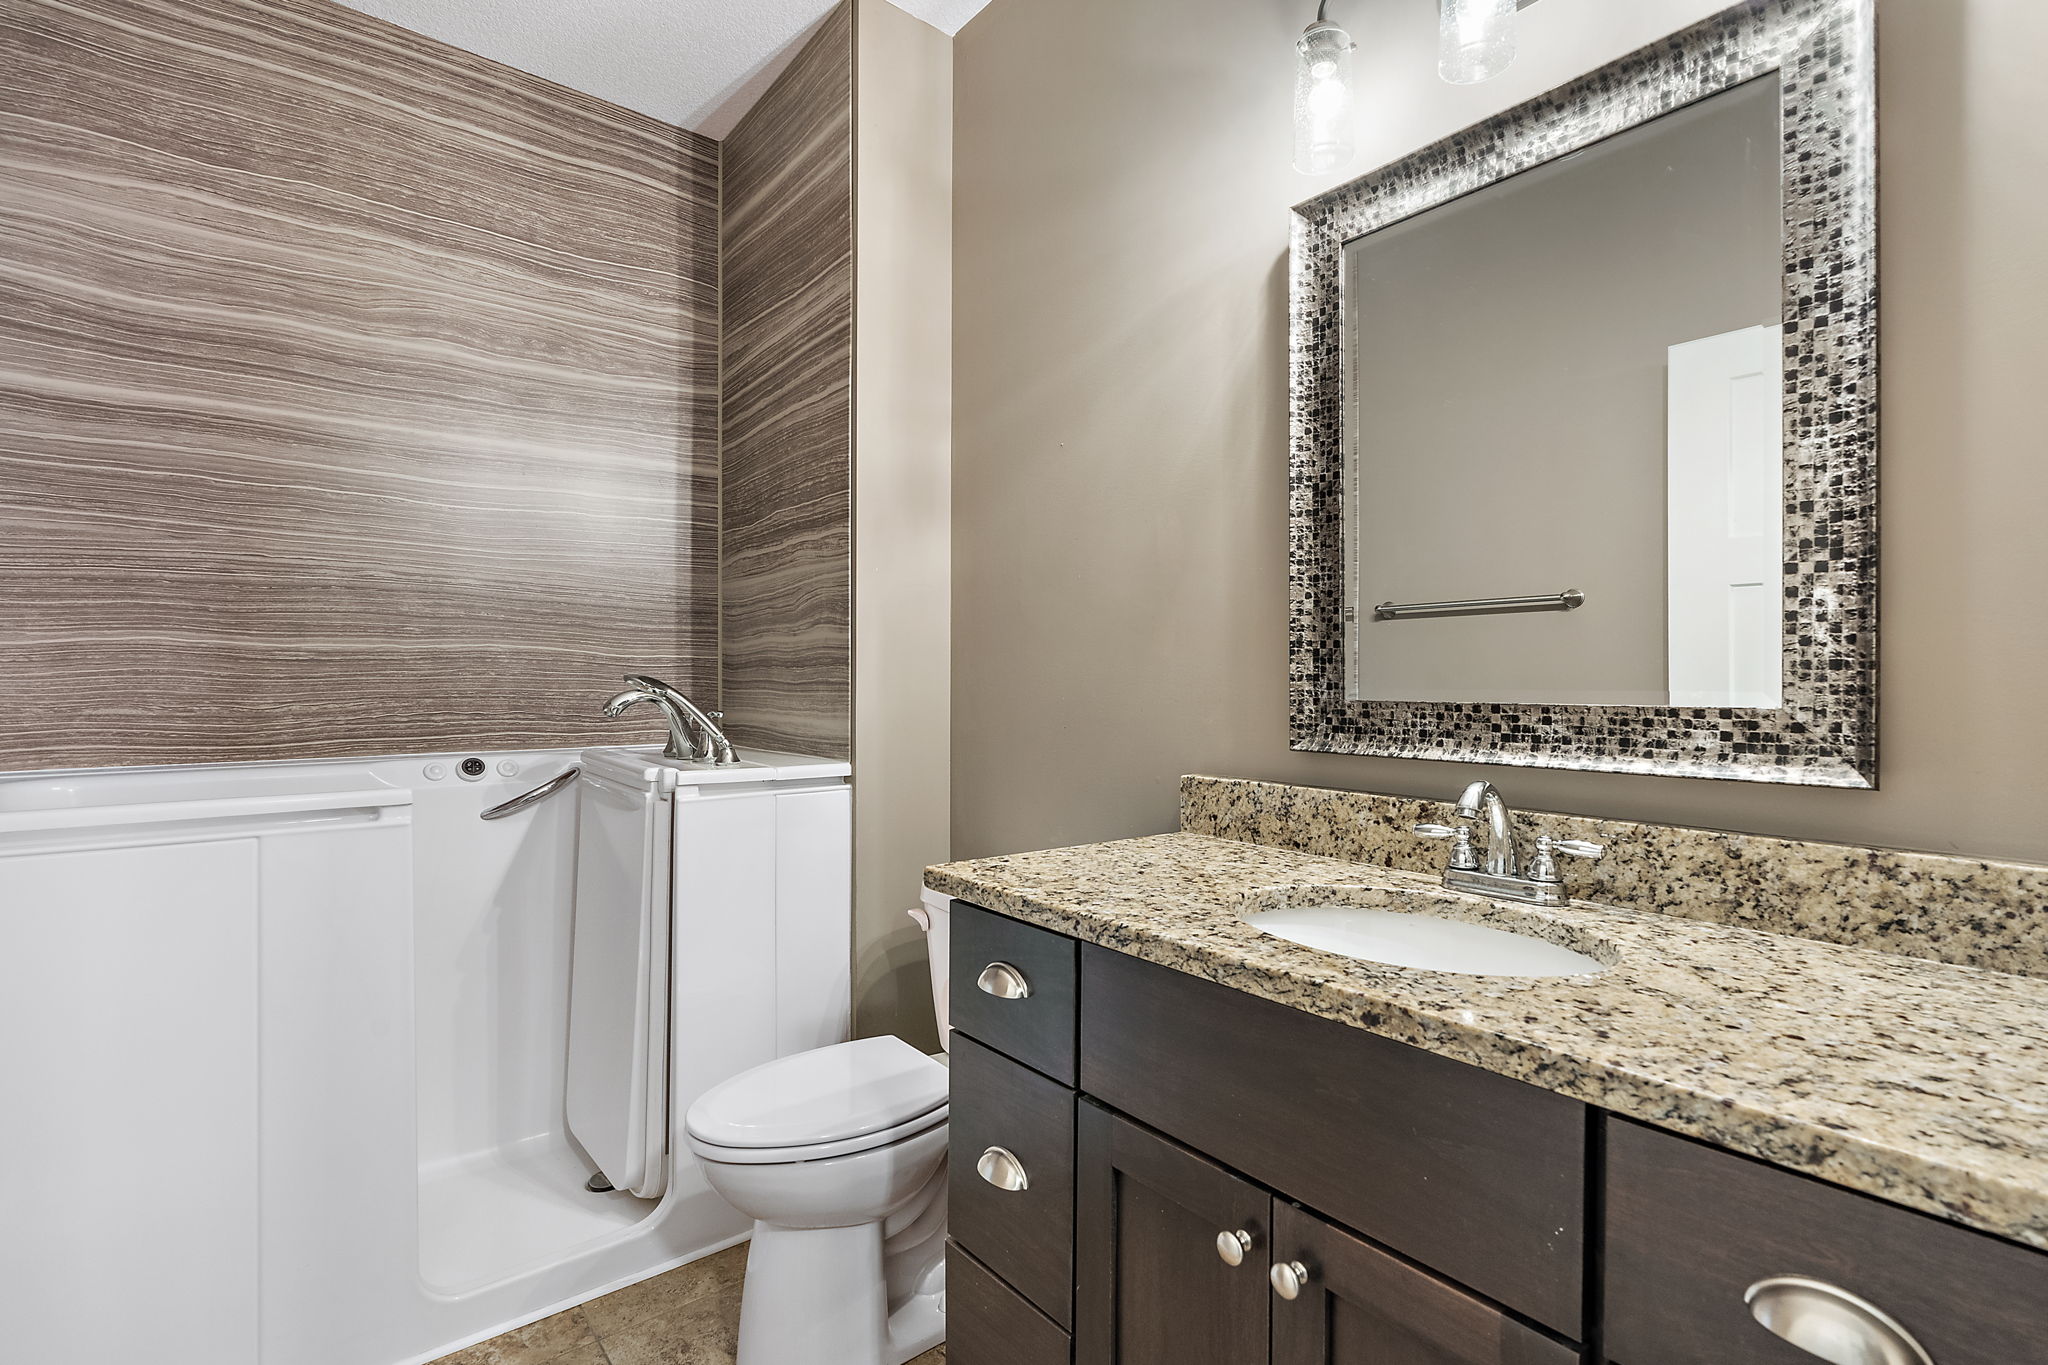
{"x":534,"y":797}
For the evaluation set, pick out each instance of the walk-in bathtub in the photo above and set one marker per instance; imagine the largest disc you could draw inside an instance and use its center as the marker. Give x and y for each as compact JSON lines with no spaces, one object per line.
{"x":285,"y":1049}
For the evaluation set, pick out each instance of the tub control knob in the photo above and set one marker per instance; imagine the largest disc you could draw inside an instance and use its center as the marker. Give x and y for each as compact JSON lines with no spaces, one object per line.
{"x":999,"y":1167}
{"x":1003,"y":981}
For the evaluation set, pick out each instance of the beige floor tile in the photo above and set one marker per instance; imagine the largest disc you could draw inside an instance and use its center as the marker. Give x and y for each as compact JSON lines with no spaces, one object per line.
{"x":703,"y":1331}
{"x":645,"y":1306}
{"x":689,"y":1316}
{"x":559,"y":1340}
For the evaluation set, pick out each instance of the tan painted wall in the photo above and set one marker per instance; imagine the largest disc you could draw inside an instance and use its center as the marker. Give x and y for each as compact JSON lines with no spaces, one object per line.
{"x":903,"y":153}
{"x":1121,"y":406}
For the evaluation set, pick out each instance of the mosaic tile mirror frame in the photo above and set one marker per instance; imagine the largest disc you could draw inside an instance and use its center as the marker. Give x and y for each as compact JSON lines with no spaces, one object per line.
{"x":1824,"y":733}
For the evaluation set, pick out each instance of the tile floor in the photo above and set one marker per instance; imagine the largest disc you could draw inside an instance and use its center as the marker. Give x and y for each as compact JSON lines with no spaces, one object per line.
{"x":690,"y":1316}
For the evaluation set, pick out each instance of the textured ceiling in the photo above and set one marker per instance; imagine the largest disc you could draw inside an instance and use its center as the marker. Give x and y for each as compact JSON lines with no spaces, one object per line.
{"x":698,"y":63}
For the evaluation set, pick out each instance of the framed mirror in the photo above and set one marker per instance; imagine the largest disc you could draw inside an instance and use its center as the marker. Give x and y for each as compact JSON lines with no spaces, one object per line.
{"x":1585,"y":422}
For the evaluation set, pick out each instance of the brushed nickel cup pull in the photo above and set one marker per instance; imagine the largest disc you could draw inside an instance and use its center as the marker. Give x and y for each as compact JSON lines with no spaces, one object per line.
{"x":999,"y":1167}
{"x":1829,"y":1323}
{"x":1232,"y":1246}
{"x":1289,"y":1278}
{"x":1003,"y":981}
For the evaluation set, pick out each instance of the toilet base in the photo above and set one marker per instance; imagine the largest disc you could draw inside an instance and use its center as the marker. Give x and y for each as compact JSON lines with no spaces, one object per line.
{"x":916,"y":1327}
{"x":848,"y":1262}
{"x":810,"y":1296}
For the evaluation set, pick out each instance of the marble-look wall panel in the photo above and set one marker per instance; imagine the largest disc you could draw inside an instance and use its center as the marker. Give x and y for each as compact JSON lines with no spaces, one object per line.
{"x":786,"y":563}
{"x":357,"y":394}
{"x":1971,"y":911}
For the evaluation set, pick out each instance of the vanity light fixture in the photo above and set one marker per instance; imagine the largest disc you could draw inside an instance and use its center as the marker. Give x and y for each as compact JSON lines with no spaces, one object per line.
{"x":1475,"y":39}
{"x":1322,"y":96}
{"x":1475,"y":42}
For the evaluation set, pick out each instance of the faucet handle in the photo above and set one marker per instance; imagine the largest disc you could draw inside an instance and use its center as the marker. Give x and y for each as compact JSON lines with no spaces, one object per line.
{"x":1543,"y":866}
{"x":1464,"y":857}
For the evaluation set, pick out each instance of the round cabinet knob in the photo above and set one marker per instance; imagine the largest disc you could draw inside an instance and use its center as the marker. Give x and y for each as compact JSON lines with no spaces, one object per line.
{"x":999,"y":1167}
{"x":1829,"y":1323}
{"x":1232,"y":1246}
{"x":1003,"y":981}
{"x":1289,"y":1278}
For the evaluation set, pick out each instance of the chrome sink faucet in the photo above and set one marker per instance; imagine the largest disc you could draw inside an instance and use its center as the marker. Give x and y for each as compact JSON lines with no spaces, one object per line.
{"x":1502,"y":878}
{"x":693,"y":733}
{"x":1482,"y":798}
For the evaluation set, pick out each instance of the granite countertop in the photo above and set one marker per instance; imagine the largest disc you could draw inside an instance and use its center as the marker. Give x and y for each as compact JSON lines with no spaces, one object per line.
{"x":1920,"y":1082}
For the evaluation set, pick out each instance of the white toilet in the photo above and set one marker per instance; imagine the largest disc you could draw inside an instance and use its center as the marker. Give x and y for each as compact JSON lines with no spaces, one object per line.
{"x":839,"y":1156}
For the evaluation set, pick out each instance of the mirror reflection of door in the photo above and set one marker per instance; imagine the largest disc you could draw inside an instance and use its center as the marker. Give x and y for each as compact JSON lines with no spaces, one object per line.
{"x":1725,"y":531}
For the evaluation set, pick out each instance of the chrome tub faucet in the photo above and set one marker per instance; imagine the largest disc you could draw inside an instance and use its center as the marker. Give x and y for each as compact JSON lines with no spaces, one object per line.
{"x":693,"y":733}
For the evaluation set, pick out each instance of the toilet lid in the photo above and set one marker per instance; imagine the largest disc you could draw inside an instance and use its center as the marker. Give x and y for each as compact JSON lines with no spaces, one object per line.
{"x":844,"y":1091}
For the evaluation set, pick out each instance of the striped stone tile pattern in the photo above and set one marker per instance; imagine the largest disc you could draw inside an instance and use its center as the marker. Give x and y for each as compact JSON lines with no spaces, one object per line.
{"x":786,"y":447}
{"x":357,"y":395}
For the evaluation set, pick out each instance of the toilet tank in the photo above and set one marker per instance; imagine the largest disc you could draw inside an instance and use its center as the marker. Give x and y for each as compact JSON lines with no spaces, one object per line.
{"x":934,"y":916}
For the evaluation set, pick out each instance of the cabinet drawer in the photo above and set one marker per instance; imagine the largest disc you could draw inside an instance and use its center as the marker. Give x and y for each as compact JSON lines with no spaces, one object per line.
{"x":1360,"y":1306}
{"x":1690,"y":1228}
{"x":988,"y":1324}
{"x":1037,"y":1028}
{"x":1477,"y":1176}
{"x":1025,"y":1235}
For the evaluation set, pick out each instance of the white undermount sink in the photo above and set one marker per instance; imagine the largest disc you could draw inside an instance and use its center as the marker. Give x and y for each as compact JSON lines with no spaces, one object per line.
{"x":1427,"y":942}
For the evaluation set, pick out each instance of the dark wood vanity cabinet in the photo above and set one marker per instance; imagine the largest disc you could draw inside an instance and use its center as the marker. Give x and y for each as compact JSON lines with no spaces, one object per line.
{"x":1479,"y":1177}
{"x":1135,"y":1218}
{"x":1194,"y":1176}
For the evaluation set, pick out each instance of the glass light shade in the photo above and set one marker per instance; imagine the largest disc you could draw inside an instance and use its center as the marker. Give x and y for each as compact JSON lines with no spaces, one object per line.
{"x":1322,"y":99}
{"x":1475,"y":40}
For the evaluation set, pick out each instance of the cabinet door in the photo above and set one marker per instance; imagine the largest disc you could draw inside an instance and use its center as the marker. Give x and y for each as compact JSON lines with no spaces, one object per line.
{"x":1354,"y":1304}
{"x":1153,"y":1285}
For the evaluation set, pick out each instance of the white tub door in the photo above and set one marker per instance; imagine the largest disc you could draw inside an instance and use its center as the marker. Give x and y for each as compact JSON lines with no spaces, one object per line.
{"x":618,"y":982}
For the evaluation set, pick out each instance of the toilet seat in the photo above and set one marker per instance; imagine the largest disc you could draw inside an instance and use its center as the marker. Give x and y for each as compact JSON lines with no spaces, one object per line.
{"x":817,"y":1151}
{"x":830,"y":1101}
